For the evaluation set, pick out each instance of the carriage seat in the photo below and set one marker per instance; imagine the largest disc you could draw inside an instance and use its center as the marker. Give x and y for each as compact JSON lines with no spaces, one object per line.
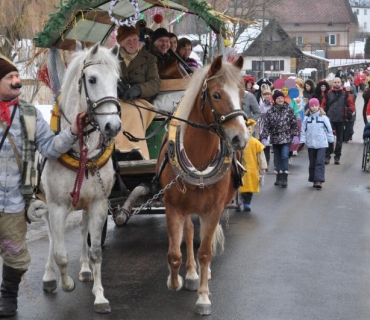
{"x":170,"y":93}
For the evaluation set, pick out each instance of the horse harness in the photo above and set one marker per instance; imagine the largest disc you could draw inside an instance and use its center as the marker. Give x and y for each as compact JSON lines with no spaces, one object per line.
{"x":71,"y":159}
{"x":222,"y":161}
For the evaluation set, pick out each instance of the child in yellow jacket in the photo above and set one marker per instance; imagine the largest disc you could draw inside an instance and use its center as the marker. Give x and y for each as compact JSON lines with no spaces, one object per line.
{"x":255,"y":163}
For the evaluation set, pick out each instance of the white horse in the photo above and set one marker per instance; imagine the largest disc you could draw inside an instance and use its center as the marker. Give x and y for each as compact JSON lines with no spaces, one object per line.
{"x":90,"y":85}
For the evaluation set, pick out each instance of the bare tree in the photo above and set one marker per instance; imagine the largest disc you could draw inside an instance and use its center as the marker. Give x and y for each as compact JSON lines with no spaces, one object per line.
{"x":20,"y":21}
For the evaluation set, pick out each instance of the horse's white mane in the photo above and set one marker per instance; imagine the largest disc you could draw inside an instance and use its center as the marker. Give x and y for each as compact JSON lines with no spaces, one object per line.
{"x":228,"y":74}
{"x":74,"y":69}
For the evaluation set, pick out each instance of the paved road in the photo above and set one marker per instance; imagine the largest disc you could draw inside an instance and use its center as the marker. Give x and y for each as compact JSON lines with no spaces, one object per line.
{"x":300,"y":254}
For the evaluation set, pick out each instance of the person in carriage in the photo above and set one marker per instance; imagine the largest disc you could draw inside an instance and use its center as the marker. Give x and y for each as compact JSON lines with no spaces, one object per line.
{"x":139,"y":84}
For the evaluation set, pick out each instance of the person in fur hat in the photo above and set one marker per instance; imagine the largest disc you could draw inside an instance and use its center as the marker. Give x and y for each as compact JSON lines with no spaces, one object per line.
{"x":22,"y":126}
{"x":281,"y":125}
{"x":316,"y":133}
{"x":321,"y":90}
{"x":139,"y":85}
{"x":255,"y":164}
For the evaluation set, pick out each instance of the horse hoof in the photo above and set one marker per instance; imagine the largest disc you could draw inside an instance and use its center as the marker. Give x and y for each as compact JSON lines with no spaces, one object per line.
{"x":70,"y":287}
{"x":203,"y":309}
{"x":102,"y":308}
{"x":49,"y":286}
{"x":85,"y":276}
{"x":192,"y":284}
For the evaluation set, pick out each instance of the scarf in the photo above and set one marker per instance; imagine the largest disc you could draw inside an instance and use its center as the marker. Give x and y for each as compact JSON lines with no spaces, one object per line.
{"x":5,"y":111}
{"x":127,"y":57}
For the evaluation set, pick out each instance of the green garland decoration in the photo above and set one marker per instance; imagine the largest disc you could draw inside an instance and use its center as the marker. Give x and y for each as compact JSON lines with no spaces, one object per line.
{"x":61,"y":20}
{"x":203,"y":9}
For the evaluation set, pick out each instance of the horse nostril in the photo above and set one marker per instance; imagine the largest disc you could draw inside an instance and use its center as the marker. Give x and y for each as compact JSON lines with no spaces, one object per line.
{"x":112,"y":130}
{"x":237,"y":143}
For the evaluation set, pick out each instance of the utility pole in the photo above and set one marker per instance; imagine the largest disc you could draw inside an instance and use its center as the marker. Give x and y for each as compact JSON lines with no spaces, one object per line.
{"x":263,"y":40}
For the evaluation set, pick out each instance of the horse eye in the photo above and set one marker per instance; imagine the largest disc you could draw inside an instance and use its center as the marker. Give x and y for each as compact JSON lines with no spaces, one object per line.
{"x":92,"y":80}
{"x":216,"y":96}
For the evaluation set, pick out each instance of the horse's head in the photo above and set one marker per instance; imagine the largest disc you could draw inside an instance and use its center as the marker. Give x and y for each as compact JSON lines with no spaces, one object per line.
{"x":91,"y":83}
{"x":222,"y":95}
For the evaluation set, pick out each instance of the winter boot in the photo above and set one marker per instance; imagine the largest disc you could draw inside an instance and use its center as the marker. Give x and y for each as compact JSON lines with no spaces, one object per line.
{"x":9,"y":291}
{"x":278,"y":179}
{"x":284,"y":180}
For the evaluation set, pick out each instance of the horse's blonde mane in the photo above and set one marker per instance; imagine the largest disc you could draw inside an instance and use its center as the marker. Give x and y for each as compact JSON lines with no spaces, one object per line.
{"x":74,"y":69}
{"x":228,"y":74}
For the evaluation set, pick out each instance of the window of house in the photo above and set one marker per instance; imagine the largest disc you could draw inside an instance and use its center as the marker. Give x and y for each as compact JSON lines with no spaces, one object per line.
{"x":298,"y":40}
{"x":257,"y":65}
{"x":270,"y":65}
{"x":357,"y":11}
{"x":365,"y":12}
{"x":331,"y":39}
{"x":365,"y":25}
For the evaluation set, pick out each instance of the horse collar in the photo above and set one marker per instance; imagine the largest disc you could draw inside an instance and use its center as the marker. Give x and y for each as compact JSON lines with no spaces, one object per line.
{"x":182,"y":165}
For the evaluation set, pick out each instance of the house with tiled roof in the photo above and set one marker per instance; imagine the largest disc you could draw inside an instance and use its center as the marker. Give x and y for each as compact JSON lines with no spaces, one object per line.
{"x":270,"y":52}
{"x":328,"y":26}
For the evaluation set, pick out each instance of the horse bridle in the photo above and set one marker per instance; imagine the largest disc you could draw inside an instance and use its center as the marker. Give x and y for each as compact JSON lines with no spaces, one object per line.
{"x":219,"y":118}
{"x":93,"y":105}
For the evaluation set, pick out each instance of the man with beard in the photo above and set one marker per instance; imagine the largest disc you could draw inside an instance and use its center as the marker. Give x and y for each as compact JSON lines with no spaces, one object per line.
{"x":338,"y":106}
{"x":22,"y":131}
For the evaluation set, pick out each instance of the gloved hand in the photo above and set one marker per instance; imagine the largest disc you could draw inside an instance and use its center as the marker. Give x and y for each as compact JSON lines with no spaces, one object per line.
{"x":132,"y":93}
{"x":295,"y":140}
{"x":265,"y":142}
{"x":349,"y":114}
{"x":121,"y":89}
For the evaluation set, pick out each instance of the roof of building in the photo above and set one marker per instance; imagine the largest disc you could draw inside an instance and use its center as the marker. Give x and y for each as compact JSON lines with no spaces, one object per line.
{"x":276,"y":42}
{"x":311,"y":11}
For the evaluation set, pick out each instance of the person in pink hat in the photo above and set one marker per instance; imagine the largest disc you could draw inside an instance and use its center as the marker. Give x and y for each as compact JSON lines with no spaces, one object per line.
{"x":316,"y":133}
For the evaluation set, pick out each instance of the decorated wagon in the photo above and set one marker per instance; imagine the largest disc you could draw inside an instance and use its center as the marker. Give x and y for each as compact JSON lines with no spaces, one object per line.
{"x":193,"y":166}
{"x":95,"y":21}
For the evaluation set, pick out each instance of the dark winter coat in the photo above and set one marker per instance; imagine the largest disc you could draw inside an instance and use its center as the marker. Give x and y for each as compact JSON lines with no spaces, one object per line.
{"x":142,"y":71}
{"x":280,"y":124}
{"x":336,"y":107}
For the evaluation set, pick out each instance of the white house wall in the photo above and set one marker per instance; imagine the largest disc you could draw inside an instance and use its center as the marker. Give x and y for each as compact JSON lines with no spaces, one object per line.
{"x":287,"y":66}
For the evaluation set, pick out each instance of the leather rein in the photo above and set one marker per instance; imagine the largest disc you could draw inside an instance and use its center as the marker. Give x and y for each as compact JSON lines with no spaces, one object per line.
{"x":223,"y":160}
{"x":205,"y":97}
{"x":71,"y":159}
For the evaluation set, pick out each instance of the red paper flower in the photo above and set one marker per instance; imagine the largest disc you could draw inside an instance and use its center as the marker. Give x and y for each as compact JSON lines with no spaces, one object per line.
{"x":43,"y":75}
{"x":157,"y":18}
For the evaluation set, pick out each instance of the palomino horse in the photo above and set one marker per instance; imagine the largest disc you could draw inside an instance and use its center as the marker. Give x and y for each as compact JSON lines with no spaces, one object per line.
{"x":90,"y":85}
{"x":201,"y":163}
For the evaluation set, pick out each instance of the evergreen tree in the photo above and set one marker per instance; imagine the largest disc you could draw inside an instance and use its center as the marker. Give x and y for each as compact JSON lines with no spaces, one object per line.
{"x":367,"y":48}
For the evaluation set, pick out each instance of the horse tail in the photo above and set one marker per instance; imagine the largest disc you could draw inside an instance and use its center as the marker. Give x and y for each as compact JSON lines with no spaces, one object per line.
{"x":218,"y":239}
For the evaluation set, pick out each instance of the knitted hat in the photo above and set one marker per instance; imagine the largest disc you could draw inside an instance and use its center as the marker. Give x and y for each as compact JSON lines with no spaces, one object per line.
{"x":313,"y":102}
{"x":277,"y":94}
{"x":160,"y":33}
{"x":125,"y":31}
{"x":6,"y":67}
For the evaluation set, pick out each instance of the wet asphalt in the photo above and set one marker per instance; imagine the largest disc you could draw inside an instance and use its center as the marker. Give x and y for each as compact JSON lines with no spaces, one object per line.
{"x":299,"y":254}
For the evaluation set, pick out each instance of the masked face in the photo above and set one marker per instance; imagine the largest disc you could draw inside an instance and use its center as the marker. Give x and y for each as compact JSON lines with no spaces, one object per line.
{"x":285,"y":91}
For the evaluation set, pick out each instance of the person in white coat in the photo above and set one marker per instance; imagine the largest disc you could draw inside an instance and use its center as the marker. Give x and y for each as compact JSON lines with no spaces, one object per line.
{"x":316,"y":133}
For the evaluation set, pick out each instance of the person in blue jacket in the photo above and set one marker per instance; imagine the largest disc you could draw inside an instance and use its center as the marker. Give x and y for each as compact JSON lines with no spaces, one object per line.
{"x":316,"y":133}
